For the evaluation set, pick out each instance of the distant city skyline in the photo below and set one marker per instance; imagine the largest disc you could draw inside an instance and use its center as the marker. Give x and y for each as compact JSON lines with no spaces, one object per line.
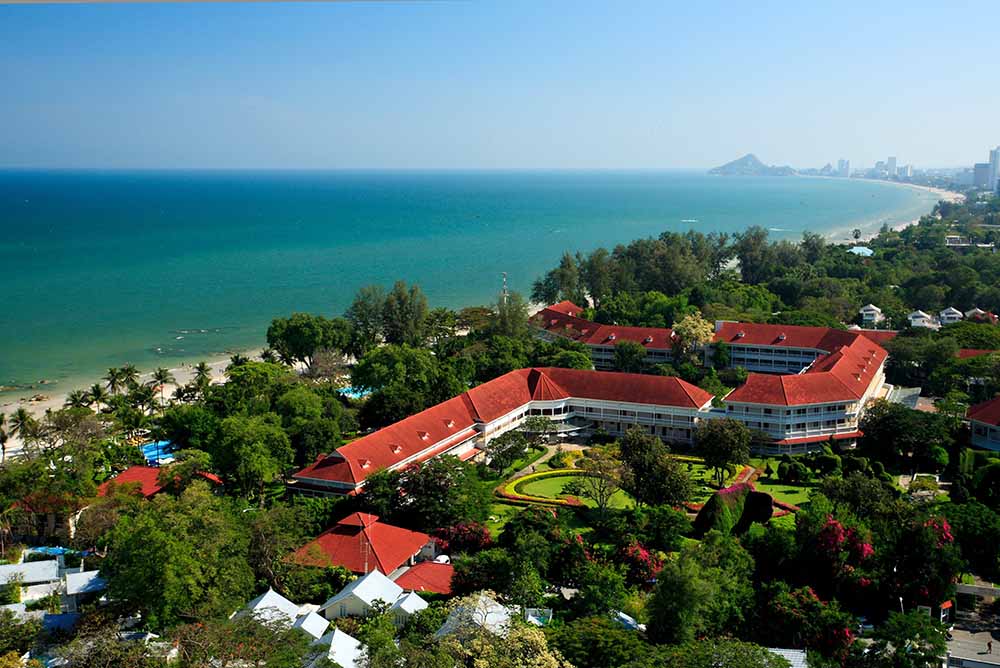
{"x":513,"y":85}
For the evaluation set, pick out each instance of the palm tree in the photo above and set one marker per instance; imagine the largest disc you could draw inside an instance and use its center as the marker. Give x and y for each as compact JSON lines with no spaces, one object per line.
{"x":23,"y":425}
{"x":202,"y":375}
{"x":142,"y":397}
{"x":130,"y":375}
{"x":161,"y":377}
{"x":77,"y":399}
{"x":237,"y":360}
{"x":269,"y":355}
{"x":114,"y":380}
{"x":4,"y":436}
{"x":98,"y":395}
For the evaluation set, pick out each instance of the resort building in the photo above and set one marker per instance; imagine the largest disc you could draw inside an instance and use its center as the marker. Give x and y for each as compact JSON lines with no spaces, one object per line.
{"x":920,"y":319}
{"x":362,"y":544}
{"x":577,"y":400}
{"x":984,"y":423}
{"x":950,"y":315}
{"x":807,"y":385}
{"x":563,"y":320}
{"x":427,"y":576}
{"x":824,"y":402}
{"x":871,"y":315}
{"x":145,"y":480}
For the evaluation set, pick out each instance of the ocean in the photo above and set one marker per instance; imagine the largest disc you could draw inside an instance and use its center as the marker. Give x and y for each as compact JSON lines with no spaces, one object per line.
{"x":154,"y":268}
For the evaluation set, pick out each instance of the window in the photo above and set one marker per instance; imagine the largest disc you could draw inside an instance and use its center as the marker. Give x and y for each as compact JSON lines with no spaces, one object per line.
{"x":343,"y":610}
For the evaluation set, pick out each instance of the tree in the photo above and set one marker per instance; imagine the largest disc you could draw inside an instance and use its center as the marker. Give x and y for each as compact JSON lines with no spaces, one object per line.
{"x":180,"y":559}
{"x":629,"y":357}
{"x":977,"y":533}
{"x":113,"y":378}
{"x":596,"y":642}
{"x":505,"y":449}
{"x":443,"y":491}
{"x":380,"y":493}
{"x":723,"y":443}
{"x":129,"y":376}
{"x":509,"y":317}
{"x":713,"y":653}
{"x":161,"y":378}
{"x":202,"y":375}
{"x":650,"y":475}
{"x":243,"y":641}
{"x":681,"y":591}
{"x":299,"y":337}
{"x":366,"y":315}
{"x":102,"y":647}
{"x":24,"y":425}
{"x":601,"y":480}
{"x":691,"y":334}
{"x":253,"y":452}
{"x":910,"y":640}
{"x":404,"y":315}
{"x":16,"y":634}
{"x":537,"y":429}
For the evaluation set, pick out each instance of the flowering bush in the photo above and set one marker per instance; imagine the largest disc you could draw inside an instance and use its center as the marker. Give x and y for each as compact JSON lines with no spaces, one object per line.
{"x":641,"y":563}
{"x":463,"y":537}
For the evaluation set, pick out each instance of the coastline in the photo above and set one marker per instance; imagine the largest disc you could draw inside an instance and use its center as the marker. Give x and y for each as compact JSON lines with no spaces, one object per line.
{"x":54,"y":393}
{"x":870,"y":228}
{"x":183,"y":374}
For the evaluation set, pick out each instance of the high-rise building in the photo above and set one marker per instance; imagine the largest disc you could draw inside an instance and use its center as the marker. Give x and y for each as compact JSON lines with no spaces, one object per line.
{"x":906,"y":172}
{"x":981,"y":175}
{"x":890,"y":166}
{"x":844,"y":167}
{"x":994,"y":169}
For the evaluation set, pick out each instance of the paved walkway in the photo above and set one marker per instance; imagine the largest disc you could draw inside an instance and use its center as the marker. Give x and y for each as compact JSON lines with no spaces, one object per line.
{"x":550,"y":452}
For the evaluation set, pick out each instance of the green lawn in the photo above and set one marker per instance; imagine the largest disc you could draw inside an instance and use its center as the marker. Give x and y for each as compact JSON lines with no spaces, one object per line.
{"x":552,"y":488}
{"x":796,"y":494}
{"x":500,"y":514}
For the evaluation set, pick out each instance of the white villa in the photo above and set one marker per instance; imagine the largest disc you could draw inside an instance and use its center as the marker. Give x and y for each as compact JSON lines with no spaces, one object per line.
{"x":950,"y":315}
{"x":871,"y":315}
{"x":360,"y":596}
{"x":920,"y":319}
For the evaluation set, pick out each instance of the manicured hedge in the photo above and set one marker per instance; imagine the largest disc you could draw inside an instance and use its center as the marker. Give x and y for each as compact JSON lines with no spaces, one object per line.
{"x":509,"y":490}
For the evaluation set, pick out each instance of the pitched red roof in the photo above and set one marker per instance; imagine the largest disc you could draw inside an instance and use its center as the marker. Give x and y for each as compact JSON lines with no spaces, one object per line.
{"x":427,"y":576}
{"x":825,"y":339}
{"x":564,"y":321}
{"x":359,"y":541}
{"x":967,"y":353}
{"x":988,"y":412}
{"x":146,"y":478}
{"x":842,"y":375}
{"x":452,"y":422}
{"x":879,"y":336}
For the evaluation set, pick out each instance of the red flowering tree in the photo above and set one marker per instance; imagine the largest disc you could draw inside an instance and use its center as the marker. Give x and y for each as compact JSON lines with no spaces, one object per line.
{"x":927,"y":562}
{"x":468,"y":537}
{"x":799,"y":618}
{"x":641,"y":563}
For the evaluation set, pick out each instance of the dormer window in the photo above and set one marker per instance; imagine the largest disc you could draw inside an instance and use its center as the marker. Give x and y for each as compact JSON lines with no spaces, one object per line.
{"x":740,"y":335}
{"x":648,"y":339}
{"x":396,"y":448}
{"x":611,"y":337}
{"x":781,"y":337}
{"x":365,"y":463}
{"x":450,"y":424}
{"x":423,"y":435}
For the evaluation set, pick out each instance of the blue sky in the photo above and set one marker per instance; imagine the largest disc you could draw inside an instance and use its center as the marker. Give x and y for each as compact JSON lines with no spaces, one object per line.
{"x":515,"y":83}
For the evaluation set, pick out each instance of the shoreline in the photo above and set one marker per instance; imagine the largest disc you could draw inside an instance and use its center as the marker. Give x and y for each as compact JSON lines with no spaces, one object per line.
{"x":183,"y":374}
{"x":841,"y":235}
{"x":51,"y":396}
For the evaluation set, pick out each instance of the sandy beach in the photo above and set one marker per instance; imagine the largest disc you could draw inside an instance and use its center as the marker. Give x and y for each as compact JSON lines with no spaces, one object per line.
{"x":41,"y":400}
{"x":842,"y":235}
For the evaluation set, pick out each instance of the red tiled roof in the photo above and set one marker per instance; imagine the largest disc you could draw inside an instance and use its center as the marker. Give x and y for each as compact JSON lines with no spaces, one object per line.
{"x":820,"y":439}
{"x":427,"y":576}
{"x":988,"y":412}
{"x":787,"y":336}
{"x":469,"y":454}
{"x":565,"y":307}
{"x":879,"y":336}
{"x":146,"y":477}
{"x":454,"y":419}
{"x":966,"y":353}
{"x":348,"y":543}
{"x":565,"y":322}
{"x":842,"y":375}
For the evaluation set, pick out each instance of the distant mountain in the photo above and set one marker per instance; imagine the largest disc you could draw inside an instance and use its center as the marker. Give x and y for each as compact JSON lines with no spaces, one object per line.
{"x":750,"y":165}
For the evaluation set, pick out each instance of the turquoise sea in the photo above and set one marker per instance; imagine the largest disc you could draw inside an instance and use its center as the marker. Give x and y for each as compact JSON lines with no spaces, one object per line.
{"x":154,"y":268}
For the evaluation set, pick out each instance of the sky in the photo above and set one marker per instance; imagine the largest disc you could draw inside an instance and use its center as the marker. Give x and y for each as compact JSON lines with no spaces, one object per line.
{"x":506,"y":84}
